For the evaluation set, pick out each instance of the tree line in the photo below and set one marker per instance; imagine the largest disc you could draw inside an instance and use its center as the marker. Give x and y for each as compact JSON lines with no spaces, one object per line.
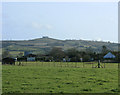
{"x":73,"y":55}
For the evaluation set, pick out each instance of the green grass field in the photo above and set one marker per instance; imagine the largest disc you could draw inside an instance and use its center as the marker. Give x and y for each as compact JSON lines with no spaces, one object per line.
{"x":48,"y":77}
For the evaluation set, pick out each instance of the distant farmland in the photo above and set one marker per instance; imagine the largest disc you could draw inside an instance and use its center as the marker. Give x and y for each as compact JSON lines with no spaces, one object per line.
{"x":59,"y":77}
{"x":44,"y":45}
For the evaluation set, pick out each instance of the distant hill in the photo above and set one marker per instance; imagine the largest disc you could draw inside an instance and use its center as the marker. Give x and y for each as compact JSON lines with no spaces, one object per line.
{"x":45,"y":44}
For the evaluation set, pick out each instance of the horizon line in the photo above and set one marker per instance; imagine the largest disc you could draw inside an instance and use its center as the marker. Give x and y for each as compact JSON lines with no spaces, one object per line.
{"x":57,"y":39}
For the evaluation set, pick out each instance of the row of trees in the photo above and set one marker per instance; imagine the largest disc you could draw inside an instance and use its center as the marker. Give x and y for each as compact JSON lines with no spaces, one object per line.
{"x":75,"y":56}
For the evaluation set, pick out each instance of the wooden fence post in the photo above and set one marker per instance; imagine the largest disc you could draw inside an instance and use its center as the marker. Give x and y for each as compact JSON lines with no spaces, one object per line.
{"x":98,"y":63}
{"x":92,"y":65}
{"x":67,"y":64}
{"x":104,"y":65}
{"x":75,"y":64}
{"x":83,"y":64}
{"x":54,"y":64}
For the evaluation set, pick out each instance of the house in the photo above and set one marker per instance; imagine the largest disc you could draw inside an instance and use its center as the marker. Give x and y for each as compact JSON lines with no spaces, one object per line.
{"x":109,"y":57}
{"x":64,"y":60}
{"x":31,"y":57}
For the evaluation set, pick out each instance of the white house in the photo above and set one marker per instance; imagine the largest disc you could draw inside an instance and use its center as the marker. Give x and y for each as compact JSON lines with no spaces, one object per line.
{"x":64,"y":60}
{"x":31,"y":57}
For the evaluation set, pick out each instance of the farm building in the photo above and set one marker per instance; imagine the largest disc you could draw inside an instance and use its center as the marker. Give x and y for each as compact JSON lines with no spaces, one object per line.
{"x":31,"y":57}
{"x":109,"y":57}
{"x":8,"y":60}
{"x":66,"y":59}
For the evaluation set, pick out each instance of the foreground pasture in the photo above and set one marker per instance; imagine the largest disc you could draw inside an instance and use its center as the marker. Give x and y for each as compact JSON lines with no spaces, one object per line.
{"x":49,"y":78}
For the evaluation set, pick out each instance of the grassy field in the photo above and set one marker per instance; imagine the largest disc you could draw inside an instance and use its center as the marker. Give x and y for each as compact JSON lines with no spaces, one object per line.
{"x":48,"y":77}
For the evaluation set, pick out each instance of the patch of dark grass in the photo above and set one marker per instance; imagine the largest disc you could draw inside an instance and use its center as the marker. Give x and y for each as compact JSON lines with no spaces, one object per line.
{"x":48,"y":83}
{"x":24,"y":87}
{"x":26,"y":84}
{"x":100,"y":83}
{"x":5,"y":88}
{"x":106,"y":88}
{"x":87,"y":89}
{"x":35,"y":78}
{"x":91,"y":78}
{"x":92,"y":75}
{"x":58,"y":78}
{"x":51,"y":91}
{"x":68,"y":83}
{"x":59,"y":86}
{"x":11,"y":92}
{"x":7,"y":82}
{"x":83,"y":77}
{"x":36,"y":88}
{"x":60,"y":70}
{"x":28,"y":77}
{"x":76,"y":86}
{"x":61,"y":92}
{"x":87,"y":81}
{"x":114,"y":90}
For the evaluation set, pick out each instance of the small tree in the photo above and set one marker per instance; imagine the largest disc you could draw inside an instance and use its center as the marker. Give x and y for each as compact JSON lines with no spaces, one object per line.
{"x":57,"y":54}
{"x":74,"y":55}
{"x":72,"y":52}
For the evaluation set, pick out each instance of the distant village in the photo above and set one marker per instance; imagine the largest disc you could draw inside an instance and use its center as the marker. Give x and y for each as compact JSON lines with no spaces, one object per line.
{"x":71,"y":55}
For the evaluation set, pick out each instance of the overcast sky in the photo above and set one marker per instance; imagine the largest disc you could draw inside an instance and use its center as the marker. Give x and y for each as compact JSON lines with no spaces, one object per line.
{"x":60,"y":20}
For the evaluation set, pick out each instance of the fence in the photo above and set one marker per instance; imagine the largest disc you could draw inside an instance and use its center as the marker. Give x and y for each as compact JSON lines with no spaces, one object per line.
{"x":69,"y":64}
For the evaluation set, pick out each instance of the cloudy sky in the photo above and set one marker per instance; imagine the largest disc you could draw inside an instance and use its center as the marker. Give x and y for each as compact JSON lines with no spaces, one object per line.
{"x":60,"y":20}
